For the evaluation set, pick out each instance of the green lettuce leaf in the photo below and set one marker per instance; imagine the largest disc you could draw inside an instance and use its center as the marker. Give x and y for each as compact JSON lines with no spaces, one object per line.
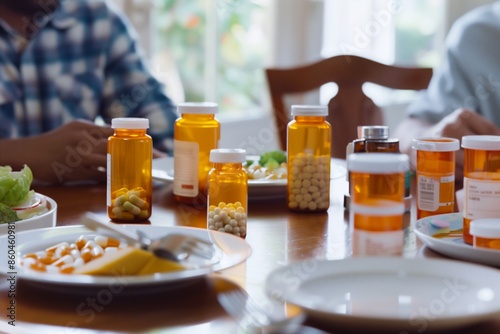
{"x":7,"y":215}
{"x":14,"y":186}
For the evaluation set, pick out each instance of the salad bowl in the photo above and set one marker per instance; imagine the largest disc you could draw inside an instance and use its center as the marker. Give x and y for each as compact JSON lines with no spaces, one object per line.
{"x":40,"y":212}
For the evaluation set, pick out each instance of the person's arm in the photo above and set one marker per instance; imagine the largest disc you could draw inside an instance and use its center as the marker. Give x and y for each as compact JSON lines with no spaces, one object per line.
{"x":73,"y":152}
{"x":130,"y":88}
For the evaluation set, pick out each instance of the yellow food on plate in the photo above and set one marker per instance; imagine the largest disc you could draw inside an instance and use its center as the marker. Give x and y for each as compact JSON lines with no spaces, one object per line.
{"x":127,"y":261}
{"x":97,"y":255}
{"x":158,"y":265}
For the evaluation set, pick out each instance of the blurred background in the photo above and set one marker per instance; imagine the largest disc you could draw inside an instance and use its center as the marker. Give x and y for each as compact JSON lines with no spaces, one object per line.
{"x":216,"y":50}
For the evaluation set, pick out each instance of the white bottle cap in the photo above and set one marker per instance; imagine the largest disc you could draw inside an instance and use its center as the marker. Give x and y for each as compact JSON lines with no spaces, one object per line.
{"x":306,"y":110}
{"x":481,"y":142}
{"x":485,"y":228}
{"x":442,"y":144}
{"x":197,"y":108}
{"x":225,"y":155}
{"x":378,"y":163}
{"x":130,"y":123}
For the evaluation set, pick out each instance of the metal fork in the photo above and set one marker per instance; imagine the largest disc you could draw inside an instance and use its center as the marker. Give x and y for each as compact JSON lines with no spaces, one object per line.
{"x":174,"y":247}
{"x":253,"y":318}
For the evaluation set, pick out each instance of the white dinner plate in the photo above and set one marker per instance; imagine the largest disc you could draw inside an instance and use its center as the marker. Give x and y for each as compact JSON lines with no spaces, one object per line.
{"x":163,"y":170}
{"x":231,"y":251}
{"x":453,"y":246}
{"x":389,"y":294}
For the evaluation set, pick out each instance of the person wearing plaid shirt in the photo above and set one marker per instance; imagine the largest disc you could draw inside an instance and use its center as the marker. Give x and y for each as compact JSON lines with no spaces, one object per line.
{"x":64,"y":63}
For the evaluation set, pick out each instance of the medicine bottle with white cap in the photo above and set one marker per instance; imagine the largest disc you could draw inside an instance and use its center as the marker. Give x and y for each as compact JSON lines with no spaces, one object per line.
{"x":129,"y":180}
{"x":308,"y":156}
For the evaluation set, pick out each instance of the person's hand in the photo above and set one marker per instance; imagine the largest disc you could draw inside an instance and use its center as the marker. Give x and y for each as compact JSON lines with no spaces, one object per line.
{"x":74,"y":152}
{"x":462,"y":122}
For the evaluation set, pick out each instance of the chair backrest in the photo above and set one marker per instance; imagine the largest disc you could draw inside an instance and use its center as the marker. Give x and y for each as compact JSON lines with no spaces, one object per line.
{"x":350,"y":107}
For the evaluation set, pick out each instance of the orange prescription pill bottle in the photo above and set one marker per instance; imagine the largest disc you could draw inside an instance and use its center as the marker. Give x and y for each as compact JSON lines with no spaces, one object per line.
{"x":435,"y":161}
{"x":129,"y":180}
{"x":196,"y":132}
{"x":377,"y":188}
{"x":486,"y":233}
{"x":481,"y":180}
{"x":308,"y":156}
{"x":228,"y":192}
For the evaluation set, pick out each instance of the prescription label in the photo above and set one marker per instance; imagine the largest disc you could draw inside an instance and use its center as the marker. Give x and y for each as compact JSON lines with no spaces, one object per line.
{"x":186,"y":168}
{"x":482,"y":198}
{"x":428,"y":193}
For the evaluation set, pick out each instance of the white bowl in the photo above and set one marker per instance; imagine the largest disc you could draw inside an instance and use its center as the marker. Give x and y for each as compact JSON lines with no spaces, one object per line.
{"x":47,"y":219}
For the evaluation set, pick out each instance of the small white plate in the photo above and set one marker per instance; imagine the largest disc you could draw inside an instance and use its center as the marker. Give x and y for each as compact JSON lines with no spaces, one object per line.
{"x":233,"y":250}
{"x":163,"y":170}
{"x":389,"y":294}
{"x":453,"y":246}
{"x":47,"y":219}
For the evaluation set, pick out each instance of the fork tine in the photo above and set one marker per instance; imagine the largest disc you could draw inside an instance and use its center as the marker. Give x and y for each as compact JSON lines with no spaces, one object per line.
{"x":240,"y":306}
{"x":197,"y":251}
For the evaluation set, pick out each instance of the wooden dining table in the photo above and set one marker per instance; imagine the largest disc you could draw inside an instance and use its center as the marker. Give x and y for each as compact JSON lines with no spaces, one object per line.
{"x":276,"y":236}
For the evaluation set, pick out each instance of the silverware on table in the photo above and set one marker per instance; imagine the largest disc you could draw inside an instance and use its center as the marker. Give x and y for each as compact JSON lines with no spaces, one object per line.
{"x":252,"y":318}
{"x":175,"y":247}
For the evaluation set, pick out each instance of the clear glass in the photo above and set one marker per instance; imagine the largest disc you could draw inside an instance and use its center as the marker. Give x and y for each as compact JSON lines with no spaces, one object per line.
{"x":204,"y":130}
{"x":228,"y":199}
{"x":309,"y":155}
{"x":130,"y":156}
{"x":481,"y":168}
{"x":435,"y":181}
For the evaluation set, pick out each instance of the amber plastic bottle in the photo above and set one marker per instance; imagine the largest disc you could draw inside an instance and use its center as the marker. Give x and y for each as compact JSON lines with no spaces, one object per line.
{"x":228,"y":192}
{"x":377,"y":202}
{"x":196,"y":132}
{"x":375,"y":138}
{"x":481,"y":180}
{"x":308,"y":156}
{"x":129,"y":183}
{"x":435,"y":158}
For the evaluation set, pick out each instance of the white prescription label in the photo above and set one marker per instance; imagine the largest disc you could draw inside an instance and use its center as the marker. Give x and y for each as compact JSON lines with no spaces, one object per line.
{"x":367,"y":243}
{"x":428,"y":193}
{"x":482,"y":198}
{"x":186,"y":168}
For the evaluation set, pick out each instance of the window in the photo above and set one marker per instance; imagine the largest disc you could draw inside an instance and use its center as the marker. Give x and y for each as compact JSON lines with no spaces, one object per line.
{"x":407,"y":33}
{"x":218,"y":48}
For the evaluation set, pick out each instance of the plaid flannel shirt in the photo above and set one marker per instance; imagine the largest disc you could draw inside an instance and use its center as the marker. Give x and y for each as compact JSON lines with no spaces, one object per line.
{"x":83,"y":62}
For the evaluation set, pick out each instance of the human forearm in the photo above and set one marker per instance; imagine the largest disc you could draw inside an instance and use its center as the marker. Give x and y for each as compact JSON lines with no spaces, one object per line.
{"x":15,"y":152}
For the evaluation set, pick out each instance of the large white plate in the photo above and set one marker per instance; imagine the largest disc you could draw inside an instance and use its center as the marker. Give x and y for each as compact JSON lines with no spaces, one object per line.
{"x":163,"y":170}
{"x":233,"y":250}
{"x":47,"y":219}
{"x":390,"y":294}
{"x":453,"y":246}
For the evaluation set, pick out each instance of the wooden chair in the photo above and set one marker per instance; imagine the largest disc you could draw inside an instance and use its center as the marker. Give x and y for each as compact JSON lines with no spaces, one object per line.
{"x":350,"y":107}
